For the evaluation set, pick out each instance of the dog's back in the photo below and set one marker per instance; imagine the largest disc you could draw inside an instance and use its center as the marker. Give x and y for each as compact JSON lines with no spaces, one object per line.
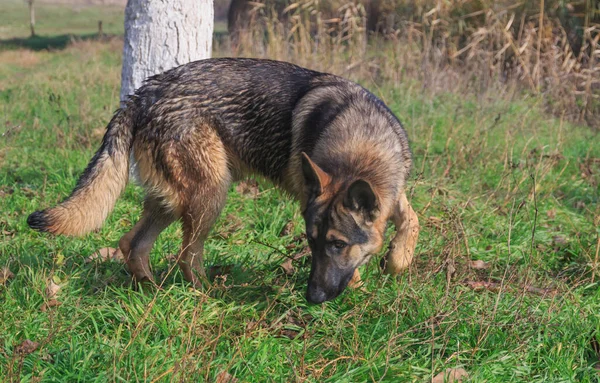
{"x":265,"y":112}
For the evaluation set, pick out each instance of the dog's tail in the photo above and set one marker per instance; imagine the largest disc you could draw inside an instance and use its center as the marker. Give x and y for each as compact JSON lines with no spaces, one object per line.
{"x":98,"y":188}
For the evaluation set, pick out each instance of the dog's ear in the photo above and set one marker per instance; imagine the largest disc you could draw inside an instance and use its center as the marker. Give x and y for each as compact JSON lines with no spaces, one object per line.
{"x":315,"y":178}
{"x":361,"y":198}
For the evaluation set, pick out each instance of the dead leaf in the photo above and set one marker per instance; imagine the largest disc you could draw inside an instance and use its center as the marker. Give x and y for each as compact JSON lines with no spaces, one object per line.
{"x":287,"y":229}
{"x":51,"y":303}
{"x":479,"y":265}
{"x":26,"y":348}
{"x":248,"y":188}
{"x":551,"y":213}
{"x":296,"y":242}
{"x":287,"y":267}
{"x":450,"y":375}
{"x":5,"y":275}
{"x":52,"y":289}
{"x":289,"y":333}
{"x":225,"y":377}
{"x":106,"y":254}
{"x":483,"y":285}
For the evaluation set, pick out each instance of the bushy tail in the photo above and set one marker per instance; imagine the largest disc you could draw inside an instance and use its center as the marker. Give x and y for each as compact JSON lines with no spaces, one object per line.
{"x":98,"y":188}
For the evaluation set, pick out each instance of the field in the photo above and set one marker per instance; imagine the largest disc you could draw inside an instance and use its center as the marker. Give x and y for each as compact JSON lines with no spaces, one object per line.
{"x":504,"y":285}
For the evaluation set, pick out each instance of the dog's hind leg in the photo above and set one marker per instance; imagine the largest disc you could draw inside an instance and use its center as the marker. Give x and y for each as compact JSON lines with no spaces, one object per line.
{"x":203,"y":178}
{"x":197,"y":222}
{"x":137,"y":243}
{"x":402,"y":246}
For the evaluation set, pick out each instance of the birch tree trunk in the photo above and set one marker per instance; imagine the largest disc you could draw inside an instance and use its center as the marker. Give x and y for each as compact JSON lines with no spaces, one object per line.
{"x":31,"y":17}
{"x":163,"y":34}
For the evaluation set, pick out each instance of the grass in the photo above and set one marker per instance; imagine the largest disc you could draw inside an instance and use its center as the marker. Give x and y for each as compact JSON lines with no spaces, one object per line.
{"x":56,"y":25}
{"x":495,"y":179}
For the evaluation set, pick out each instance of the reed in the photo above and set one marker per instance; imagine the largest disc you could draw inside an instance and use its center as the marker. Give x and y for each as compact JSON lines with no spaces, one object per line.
{"x":546,"y":48}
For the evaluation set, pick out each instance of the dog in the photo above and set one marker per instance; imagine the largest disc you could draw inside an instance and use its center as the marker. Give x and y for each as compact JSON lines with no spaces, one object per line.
{"x":190,"y":132}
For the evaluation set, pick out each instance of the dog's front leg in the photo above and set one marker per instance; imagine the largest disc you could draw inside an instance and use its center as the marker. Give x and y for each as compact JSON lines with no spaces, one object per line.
{"x":402,"y":246}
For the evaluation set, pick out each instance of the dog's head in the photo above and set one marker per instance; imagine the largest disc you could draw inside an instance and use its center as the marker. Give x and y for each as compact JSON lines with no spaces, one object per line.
{"x":343,"y":227}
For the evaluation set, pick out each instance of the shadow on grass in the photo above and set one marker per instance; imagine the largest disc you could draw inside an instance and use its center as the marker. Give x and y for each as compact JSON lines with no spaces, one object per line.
{"x":38,"y":43}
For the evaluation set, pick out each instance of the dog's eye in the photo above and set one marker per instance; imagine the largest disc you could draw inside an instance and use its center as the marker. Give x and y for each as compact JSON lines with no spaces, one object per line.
{"x":339,"y":244}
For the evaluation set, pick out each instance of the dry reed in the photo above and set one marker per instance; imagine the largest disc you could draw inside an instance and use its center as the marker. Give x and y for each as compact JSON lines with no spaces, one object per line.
{"x":456,"y":46}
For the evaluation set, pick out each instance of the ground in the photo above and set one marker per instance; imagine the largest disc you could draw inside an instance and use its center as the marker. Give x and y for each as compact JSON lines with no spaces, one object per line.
{"x":504,"y":284}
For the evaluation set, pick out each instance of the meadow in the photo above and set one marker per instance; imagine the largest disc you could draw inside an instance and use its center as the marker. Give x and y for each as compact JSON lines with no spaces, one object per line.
{"x":504,"y":286}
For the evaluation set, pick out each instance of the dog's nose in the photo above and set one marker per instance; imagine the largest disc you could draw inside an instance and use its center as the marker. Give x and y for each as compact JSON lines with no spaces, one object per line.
{"x":315,"y":295}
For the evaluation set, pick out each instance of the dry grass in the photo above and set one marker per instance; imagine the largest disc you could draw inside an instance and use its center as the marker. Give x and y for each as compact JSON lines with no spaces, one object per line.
{"x":23,"y":57}
{"x":447,"y":46}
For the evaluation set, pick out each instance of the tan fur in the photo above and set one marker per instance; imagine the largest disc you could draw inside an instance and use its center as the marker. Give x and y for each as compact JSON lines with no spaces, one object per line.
{"x":334,"y":234}
{"x":88,"y":208}
{"x":402,"y":246}
{"x":153,"y":181}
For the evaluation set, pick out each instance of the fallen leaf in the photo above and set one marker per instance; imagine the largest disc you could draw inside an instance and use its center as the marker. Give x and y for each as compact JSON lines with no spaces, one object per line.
{"x":26,"y":348}
{"x":52,"y":289}
{"x":248,"y":188}
{"x":483,"y":285}
{"x":287,"y":267}
{"x":225,"y":377}
{"x":5,"y":275}
{"x":551,"y":213}
{"x":287,"y":229}
{"x":51,"y":303}
{"x":289,"y":333}
{"x":106,"y":254}
{"x":297,"y":241}
{"x":479,"y":265}
{"x":450,"y":375}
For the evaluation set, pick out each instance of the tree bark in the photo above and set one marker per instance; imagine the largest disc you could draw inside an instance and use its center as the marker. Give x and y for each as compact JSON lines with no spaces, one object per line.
{"x":31,"y":17}
{"x":163,"y":34}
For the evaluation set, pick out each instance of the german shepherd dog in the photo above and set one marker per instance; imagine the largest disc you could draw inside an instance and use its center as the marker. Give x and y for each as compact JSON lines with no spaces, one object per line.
{"x":190,"y":132}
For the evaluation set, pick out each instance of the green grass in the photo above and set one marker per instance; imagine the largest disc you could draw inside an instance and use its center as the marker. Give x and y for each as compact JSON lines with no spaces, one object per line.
{"x":494,"y":179}
{"x":56,"y":24}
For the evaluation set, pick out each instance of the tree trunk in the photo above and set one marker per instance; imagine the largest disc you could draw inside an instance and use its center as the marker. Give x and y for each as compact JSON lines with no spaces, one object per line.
{"x":163,"y":34}
{"x":31,"y":17}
